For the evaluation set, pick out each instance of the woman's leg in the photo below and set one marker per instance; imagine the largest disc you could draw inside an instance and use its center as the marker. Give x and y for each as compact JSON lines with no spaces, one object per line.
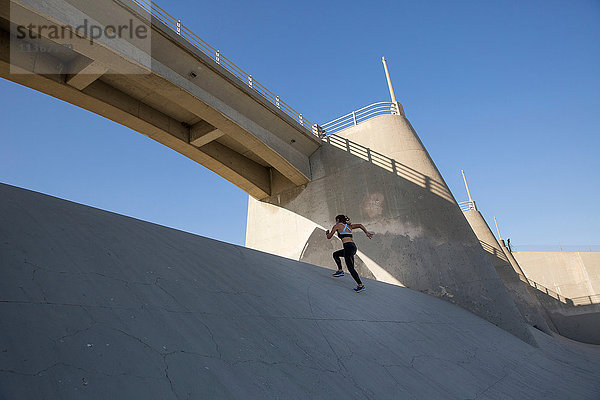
{"x":349,"y":252}
{"x":337,"y":258}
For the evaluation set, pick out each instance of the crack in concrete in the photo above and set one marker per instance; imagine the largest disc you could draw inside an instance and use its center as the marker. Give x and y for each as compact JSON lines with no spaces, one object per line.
{"x":470,"y":357}
{"x":212,"y":336}
{"x":64,"y":364}
{"x":78,"y":331}
{"x":385,"y":367}
{"x":157,"y":284}
{"x":504,"y":376}
{"x":230,"y":316}
{"x":343,"y":370}
{"x":49,"y":270}
{"x":25,"y":293}
{"x":50,"y":303}
{"x":168,"y":377}
{"x":36,"y":283}
{"x":137,"y":339}
{"x":213,"y":339}
{"x":248,"y":361}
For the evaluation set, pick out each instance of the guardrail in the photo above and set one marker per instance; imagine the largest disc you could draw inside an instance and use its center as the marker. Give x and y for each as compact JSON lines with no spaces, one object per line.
{"x":360,"y":115}
{"x":571,"y":301}
{"x":556,"y":248}
{"x":543,"y":289}
{"x":467,"y":205}
{"x":586,"y":300}
{"x":179,"y":28}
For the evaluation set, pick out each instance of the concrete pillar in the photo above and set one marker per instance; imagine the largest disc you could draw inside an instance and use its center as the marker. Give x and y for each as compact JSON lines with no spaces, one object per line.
{"x":521,"y":292}
{"x":380,"y":175}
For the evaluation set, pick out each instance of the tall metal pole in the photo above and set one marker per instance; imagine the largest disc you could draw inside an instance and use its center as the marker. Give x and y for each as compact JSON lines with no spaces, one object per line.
{"x":466,"y":185}
{"x":496,"y":222}
{"x":389,"y":81}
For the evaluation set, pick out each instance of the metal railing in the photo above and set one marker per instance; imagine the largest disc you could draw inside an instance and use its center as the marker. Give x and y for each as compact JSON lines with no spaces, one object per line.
{"x":586,"y":300}
{"x":494,"y":251}
{"x":180,"y":29}
{"x":467,"y":205}
{"x":360,"y":115}
{"x":543,"y":289}
{"x":556,"y":248}
{"x":570,"y":301}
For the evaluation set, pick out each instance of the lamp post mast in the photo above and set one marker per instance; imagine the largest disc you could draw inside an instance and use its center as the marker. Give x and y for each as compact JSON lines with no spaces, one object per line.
{"x":496,"y":222}
{"x":389,"y":81}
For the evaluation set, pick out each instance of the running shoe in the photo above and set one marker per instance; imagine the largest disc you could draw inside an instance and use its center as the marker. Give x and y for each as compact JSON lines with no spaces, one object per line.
{"x":359,"y":288}
{"x":338,"y":273}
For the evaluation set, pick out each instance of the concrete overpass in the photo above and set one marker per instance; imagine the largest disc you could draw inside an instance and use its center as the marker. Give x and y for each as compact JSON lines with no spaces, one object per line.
{"x":163,"y":85}
{"x":201,"y":105}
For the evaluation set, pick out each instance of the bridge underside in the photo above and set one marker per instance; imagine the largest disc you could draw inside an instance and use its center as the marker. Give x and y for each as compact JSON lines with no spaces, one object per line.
{"x":181,"y":100}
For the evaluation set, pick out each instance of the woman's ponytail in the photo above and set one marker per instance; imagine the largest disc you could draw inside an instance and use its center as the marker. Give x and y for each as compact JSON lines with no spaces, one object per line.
{"x":343,"y":219}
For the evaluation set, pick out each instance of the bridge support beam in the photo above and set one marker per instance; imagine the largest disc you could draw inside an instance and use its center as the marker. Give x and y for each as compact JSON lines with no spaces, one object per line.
{"x":202,"y":133}
{"x":82,"y":72}
{"x":379,"y":174}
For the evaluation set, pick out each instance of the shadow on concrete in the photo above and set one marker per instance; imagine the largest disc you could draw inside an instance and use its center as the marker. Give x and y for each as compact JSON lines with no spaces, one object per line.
{"x":576,"y":318}
{"x":391,"y":165}
{"x":494,"y":251}
{"x":422,"y":238}
{"x":568,"y":301}
{"x":523,"y":295}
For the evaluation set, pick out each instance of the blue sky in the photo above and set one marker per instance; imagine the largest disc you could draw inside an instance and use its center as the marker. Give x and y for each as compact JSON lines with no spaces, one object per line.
{"x":509,"y":91}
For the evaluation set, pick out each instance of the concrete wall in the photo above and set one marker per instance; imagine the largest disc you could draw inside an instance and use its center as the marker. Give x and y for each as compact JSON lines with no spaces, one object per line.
{"x":579,"y":322}
{"x":522,"y":293}
{"x":568,"y":287}
{"x":421,"y":240}
{"x":569,"y":274}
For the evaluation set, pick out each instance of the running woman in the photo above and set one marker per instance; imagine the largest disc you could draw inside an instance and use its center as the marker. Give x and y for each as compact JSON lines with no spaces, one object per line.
{"x":343,"y":227}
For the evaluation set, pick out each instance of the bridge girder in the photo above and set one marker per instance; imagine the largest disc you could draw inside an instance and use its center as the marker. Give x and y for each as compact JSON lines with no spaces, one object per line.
{"x":237,"y":137}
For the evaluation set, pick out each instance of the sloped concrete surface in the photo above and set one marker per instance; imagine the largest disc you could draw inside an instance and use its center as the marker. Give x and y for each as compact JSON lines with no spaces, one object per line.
{"x":380,"y":174}
{"x":95,"y":305}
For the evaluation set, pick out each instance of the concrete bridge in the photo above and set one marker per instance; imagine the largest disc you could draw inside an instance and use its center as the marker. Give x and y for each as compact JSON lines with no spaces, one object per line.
{"x":162,"y":81}
{"x":169,"y":85}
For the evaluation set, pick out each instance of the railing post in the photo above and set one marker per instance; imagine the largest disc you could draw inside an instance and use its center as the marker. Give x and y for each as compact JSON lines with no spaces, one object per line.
{"x":179,"y":27}
{"x":318,"y":131}
{"x":250,"y":80}
{"x":354,"y":117}
{"x":218,"y":57}
{"x":399,"y":110}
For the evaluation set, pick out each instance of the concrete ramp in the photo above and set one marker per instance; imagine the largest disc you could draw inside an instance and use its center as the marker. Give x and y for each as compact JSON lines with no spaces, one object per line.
{"x":95,"y":305}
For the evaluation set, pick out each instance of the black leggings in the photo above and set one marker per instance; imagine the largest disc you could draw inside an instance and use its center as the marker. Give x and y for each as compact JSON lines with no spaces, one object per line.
{"x":348,"y":253}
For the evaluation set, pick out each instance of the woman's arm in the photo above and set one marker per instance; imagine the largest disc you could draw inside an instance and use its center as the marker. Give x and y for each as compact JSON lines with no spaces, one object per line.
{"x":333,"y":230}
{"x":359,"y":226}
